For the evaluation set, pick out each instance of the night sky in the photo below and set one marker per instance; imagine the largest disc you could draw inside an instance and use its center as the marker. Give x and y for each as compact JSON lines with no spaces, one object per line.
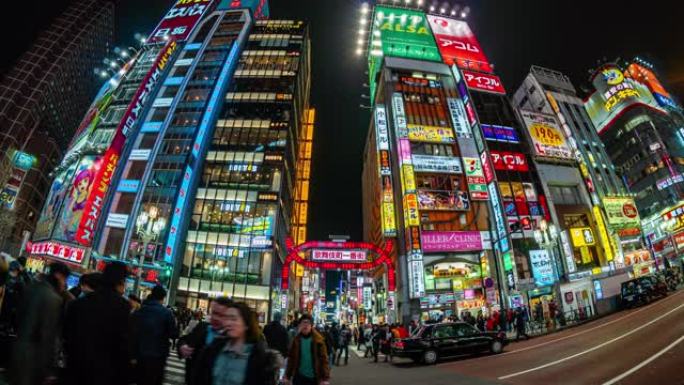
{"x":569,"y":36}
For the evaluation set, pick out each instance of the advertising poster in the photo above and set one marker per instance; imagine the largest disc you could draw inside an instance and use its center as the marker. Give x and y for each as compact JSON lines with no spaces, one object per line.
{"x":443,"y":200}
{"x":58,"y":191}
{"x":432,"y":134}
{"x":180,"y":20}
{"x":547,"y":138}
{"x":483,"y":82}
{"x":389,"y":225}
{"x":76,"y":198}
{"x":622,"y":213}
{"x":458,"y":44}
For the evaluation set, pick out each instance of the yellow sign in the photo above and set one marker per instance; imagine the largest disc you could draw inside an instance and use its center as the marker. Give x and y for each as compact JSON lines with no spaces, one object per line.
{"x":411,"y":206}
{"x":431,"y":134}
{"x":603,"y":234}
{"x":408,"y":178}
{"x":582,"y":236}
{"x":300,"y":271}
{"x":586,"y":255}
{"x":547,"y":135}
{"x":389,"y":224}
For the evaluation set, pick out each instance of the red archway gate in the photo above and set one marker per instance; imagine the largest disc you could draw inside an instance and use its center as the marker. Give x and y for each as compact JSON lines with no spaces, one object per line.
{"x":382,"y":258}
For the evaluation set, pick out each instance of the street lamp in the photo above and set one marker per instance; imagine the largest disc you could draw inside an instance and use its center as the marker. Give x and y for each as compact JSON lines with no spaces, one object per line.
{"x":149,"y":225}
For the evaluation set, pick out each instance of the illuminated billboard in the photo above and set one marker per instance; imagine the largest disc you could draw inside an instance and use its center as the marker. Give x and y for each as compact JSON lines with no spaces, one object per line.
{"x":389,"y":227}
{"x":622,"y":213}
{"x":547,"y":137}
{"x":500,"y":133}
{"x":400,"y":33}
{"x":403,"y":33}
{"x":646,"y":77}
{"x":615,"y":93}
{"x":509,"y":161}
{"x":74,"y":206}
{"x":483,"y":82}
{"x":432,"y":134}
{"x":457,"y":44}
{"x":443,"y":200}
{"x":180,"y":20}
{"x":22,"y":162}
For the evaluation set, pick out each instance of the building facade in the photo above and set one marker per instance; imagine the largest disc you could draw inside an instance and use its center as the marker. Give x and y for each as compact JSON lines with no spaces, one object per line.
{"x":203,"y":196}
{"x":448,"y":174}
{"x":42,"y":98}
{"x":585,"y":193}
{"x":639,"y":123}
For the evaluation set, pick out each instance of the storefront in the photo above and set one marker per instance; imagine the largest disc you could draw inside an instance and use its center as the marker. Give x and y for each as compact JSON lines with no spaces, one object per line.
{"x":454,"y":285}
{"x":578,"y":297}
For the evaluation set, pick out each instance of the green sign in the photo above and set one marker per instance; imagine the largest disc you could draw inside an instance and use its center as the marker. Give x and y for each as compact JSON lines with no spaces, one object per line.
{"x":400,"y":33}
{"x":508,"y":260}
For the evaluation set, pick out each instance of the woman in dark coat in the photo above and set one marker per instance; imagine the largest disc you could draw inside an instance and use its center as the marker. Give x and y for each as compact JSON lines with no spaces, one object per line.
{"x":238,"y":355}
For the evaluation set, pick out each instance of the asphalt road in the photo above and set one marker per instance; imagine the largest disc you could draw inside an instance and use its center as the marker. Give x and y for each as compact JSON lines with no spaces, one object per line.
{"x":634,"y":347}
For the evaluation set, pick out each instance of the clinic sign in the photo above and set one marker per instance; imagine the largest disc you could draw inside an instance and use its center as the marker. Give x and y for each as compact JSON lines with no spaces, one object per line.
{"x":451,"y":241}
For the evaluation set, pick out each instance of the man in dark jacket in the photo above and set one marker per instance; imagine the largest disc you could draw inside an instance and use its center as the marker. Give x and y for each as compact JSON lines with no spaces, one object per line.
{"x":154,"y":326}
{"x":276,"y":335}
{"x":190,"y":346}
{"x":96,"y":334}
{"x":307,"y":362}
{"x":40,"y":315}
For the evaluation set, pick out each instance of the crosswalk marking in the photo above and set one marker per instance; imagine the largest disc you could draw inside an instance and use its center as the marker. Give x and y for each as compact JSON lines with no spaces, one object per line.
{"x":175,"y":370}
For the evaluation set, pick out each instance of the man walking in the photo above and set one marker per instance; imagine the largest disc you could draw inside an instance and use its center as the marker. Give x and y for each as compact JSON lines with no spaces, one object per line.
{"x":154,"y":326}
{"x":343,"y":344}
{"x":307,"y":362}
{"x":276,"y":335}
{"x":96,"y":333}
{"x":39,"y":321}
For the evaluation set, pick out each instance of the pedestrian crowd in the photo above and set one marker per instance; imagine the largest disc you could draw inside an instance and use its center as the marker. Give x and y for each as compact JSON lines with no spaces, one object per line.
{"x":94,"y":335}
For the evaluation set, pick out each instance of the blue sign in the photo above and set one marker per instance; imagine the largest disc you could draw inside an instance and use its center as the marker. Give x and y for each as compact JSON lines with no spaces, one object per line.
{"x":500,"y":133}
{"x":542,"y":268}
{"x":665,"y":101}
{"x":128,"y":186}
{"x":24,"y":160}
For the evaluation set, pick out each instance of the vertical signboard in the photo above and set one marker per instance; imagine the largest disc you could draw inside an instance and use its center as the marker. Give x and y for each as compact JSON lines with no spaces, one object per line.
{"x":457,"y":44}
{"x":180,"y":20}
{"x":542,"y":268}
{"x":389,"y":227}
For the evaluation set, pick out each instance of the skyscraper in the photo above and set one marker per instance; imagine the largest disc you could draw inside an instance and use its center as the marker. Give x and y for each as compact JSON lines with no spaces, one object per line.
{"x":213,"y":114}
{"x":42,"y":98}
